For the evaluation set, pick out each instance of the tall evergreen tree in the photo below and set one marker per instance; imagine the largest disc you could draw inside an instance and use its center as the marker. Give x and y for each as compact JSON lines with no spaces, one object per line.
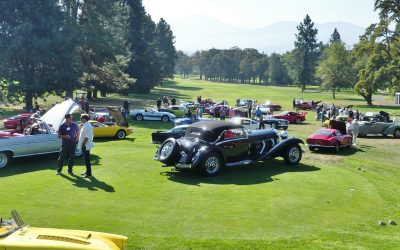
{"x":166,"y":49}
{"x":33,"y":45}
{"x":335,"y":71}
{"x":143,"y":66}
{"x":306,"y":52}
{"x":335,"y":37}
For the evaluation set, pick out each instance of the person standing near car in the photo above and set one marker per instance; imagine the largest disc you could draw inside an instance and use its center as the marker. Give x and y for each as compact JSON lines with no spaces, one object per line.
{"x":69,"y":133}
{"x":86,"y":143}
{"x":126,"y":106}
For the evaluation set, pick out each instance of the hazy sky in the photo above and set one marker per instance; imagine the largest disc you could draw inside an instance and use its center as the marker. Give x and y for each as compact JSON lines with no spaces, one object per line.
{"x":258,"y":13}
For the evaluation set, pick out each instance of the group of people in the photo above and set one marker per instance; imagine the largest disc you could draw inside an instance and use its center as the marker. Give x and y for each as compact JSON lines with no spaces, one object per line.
{"x":72,"y":138}
{"x":323,"y":112}
{"x":166,"y":101}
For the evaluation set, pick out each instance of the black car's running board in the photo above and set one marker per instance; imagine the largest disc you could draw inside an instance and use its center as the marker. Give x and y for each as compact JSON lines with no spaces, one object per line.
{"x":240,"y":163}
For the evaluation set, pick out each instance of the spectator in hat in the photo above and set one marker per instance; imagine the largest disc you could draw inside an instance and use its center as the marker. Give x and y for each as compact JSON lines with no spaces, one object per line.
{"x":69,"y":133}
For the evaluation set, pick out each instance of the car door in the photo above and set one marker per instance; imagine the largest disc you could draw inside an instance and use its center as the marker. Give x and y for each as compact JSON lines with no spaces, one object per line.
{"x":342,"y":139}
{"x":44,"y":141}
{"x":101,"y":130}
{"x":235,"y":145}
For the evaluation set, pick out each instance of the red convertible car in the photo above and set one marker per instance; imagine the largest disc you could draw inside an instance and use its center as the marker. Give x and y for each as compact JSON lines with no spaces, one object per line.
{"x":307,"y":105}
{"x":334,"y":138}
{"x":292,"y":117}
{"x":13,"y":122}
{"x":273,"y":106}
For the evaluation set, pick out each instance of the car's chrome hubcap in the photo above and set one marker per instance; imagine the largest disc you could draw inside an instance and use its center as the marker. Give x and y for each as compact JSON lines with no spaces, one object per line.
{"x":166,"y":150}
{"x":3,"y":160}
{"x":212,"y":164}
{"x":121,"y":134}
{"x":294,"y":154}
{"x":165,"y":118}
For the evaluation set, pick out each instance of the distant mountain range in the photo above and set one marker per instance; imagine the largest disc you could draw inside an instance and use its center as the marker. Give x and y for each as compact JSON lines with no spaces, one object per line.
{"x":203,"y":32}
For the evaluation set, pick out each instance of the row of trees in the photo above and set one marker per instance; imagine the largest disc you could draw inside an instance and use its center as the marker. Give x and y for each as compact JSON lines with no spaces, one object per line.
{"x":57,"y":46}
{"x":372,"y":64}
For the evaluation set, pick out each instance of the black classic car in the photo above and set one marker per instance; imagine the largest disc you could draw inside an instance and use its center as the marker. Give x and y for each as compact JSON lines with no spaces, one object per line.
{"x":210,"y":146}
{"x":177,"y":132}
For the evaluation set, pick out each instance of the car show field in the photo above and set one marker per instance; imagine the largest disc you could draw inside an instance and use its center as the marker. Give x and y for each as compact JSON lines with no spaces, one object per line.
{"x":329,"y":201}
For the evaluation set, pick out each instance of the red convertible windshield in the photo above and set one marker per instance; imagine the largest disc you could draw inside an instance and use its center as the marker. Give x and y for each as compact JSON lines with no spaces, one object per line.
{"x":284,"y":113}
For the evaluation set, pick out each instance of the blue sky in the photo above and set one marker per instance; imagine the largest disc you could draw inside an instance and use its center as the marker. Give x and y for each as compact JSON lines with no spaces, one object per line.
{"x":258,"y":13}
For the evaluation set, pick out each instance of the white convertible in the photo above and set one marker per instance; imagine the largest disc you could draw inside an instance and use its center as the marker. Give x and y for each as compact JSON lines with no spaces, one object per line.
{"x":40,"y":138}
{"x":151,"y":115}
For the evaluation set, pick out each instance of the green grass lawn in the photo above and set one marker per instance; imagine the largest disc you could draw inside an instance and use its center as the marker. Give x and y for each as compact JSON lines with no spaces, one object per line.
{"x":323,"y":203}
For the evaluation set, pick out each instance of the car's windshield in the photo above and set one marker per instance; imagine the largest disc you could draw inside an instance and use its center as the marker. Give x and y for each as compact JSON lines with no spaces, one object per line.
{"x":323,"y":132}
{"x":8,"y":227}
{"x":264,"y":106}
{"x":284,"y":113}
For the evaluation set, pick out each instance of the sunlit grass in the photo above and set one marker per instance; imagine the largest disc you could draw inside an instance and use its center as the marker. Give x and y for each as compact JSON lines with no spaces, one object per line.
{"x":323,"y":203}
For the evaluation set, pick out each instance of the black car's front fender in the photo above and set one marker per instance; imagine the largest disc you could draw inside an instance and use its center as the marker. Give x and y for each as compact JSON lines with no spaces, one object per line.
{"x":202,"y":153}
{"x":280,"y":148}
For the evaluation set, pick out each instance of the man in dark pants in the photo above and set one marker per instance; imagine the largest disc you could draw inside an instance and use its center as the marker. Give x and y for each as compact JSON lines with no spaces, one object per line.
{"x":86,"y":143}
{"x":69,"y":133}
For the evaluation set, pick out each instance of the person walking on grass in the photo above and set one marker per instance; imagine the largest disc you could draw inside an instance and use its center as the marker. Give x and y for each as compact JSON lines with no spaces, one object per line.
{"x":356,"y":129}
{"x":69,"y":133}
{"x":85,"y":143}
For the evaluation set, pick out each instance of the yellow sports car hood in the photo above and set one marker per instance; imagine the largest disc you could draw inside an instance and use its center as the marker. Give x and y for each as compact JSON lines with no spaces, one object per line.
{"x":47,"y":238}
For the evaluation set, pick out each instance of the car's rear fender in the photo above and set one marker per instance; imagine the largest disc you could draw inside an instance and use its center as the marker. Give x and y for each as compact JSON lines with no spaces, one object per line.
{"x":279,"y":149}
{"x":390,"y":130}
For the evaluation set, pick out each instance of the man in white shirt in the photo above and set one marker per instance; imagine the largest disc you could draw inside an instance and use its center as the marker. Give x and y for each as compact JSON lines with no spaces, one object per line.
{"x":86,"y":143}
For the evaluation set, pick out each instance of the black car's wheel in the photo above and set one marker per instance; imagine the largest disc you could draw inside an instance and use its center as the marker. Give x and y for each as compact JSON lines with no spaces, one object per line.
{"x":121,"y":134}
{"x":293,"y":154}
{"x":298,"y":120}
{"x":167,"y":151}
{"x":396,"y":133}
{"x":212,"y":164}
{"x":4,"y":159}
{"x":165,"y":118}
{"x":337,"y":147}
{"x":311,"y":148}
{"x":139,"y":117}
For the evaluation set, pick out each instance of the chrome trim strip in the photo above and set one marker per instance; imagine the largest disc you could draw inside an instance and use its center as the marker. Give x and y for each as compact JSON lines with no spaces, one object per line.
{"x":181,"y":165}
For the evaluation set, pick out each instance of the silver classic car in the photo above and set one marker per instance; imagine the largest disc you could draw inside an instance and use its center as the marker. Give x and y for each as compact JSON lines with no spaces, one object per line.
{"x":151,"y":114}
{"x":377,"y":124}
{"x":39,"y":138}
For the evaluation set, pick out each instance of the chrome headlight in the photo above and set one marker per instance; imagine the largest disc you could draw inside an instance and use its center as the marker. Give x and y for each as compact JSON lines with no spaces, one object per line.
{"x":284,"y":135}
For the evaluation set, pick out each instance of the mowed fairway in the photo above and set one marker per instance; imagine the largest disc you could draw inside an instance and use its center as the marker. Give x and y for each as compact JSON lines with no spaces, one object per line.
{"x":325,"y":202}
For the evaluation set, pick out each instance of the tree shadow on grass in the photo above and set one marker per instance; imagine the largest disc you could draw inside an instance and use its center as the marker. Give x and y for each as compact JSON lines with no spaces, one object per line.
{"x":152,"y":125}
{"x":41,"y":162}
{"x":92,"y":184}
{"x":380,"y":107}
{"x":342,"y":151}
{"x":244,"y":175}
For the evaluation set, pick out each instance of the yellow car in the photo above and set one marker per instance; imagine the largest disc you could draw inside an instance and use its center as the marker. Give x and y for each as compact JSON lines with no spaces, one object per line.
{"x":15,"y":235}
{"x":342,"y":118}
{"x":104,"y":130}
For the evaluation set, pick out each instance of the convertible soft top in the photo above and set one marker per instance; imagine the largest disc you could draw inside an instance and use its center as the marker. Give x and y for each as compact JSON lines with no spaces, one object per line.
{"x":209,"y":130}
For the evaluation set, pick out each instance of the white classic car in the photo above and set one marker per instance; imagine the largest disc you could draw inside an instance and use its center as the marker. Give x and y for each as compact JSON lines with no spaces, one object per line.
{"x":151,"y":115}
{"x":40,"y":138}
